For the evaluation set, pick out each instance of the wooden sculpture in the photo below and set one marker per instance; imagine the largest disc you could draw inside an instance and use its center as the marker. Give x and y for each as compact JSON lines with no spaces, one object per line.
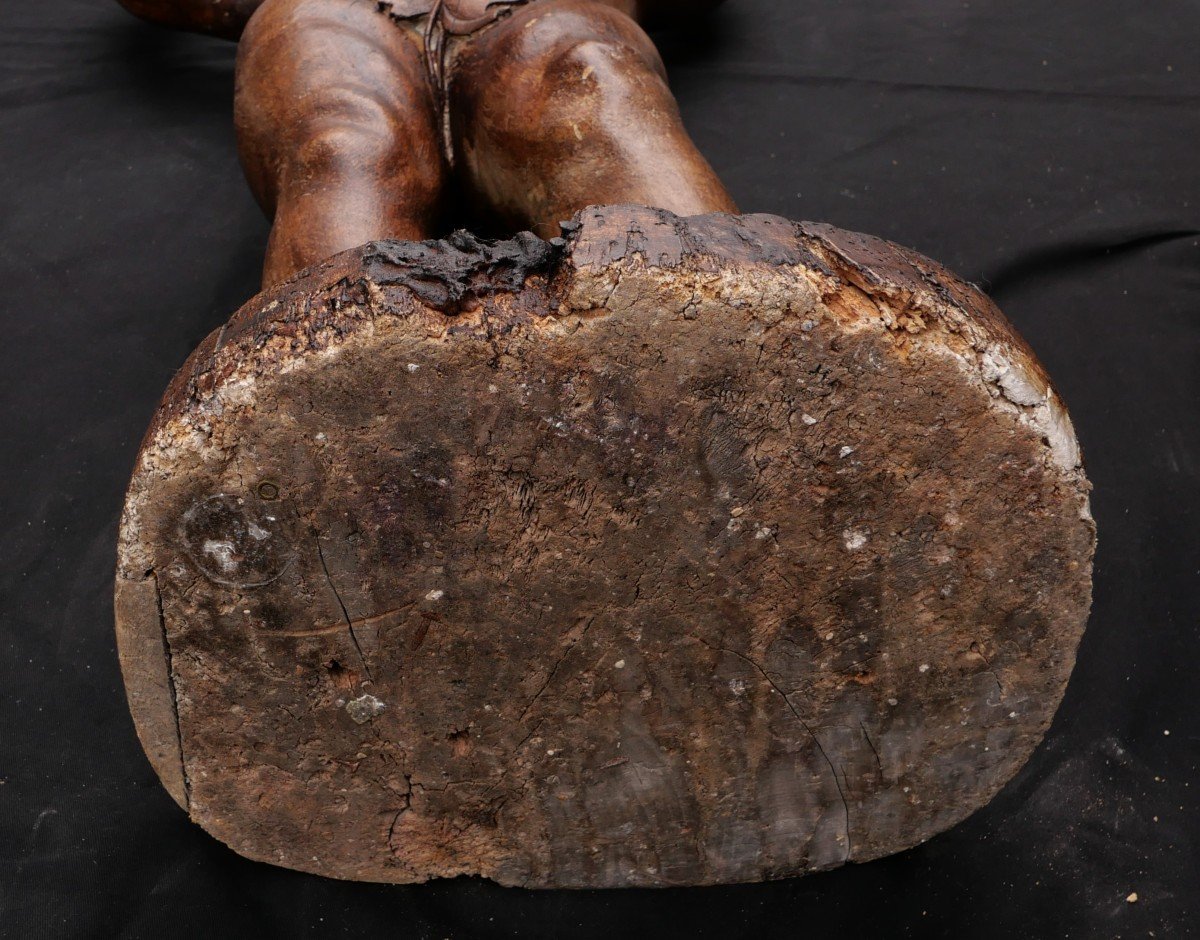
{"x":679,"y":548}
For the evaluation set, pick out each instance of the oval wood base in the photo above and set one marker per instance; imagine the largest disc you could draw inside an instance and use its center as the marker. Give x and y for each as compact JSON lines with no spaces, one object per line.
{"x":669,"y":553}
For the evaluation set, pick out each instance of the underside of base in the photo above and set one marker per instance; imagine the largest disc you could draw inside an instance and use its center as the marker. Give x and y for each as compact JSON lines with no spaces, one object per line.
{"x":672,"y":552}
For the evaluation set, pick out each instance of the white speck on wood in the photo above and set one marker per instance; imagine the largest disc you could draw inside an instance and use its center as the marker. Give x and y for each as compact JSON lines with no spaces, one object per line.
{"x":364,"y":708}
{"x":222,"y":551}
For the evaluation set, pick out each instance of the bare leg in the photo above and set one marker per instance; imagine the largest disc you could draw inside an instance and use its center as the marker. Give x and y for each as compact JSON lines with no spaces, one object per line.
{"x":565,"y":104}
{"x":337,"y":129}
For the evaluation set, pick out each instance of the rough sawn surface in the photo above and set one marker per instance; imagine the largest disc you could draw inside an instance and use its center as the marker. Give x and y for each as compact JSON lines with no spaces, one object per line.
{"x":674,"y":552}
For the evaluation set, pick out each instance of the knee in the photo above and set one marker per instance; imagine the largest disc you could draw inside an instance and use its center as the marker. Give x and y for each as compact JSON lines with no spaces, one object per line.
{"x":360,"y":147}
{"x":342,"y":140}
{"x":340,"y":147}
{"x":328,"y":132}
{"x":340,"y":58}
{"x":572,"y":43}
{"x":557,"y":49}
{"x":555,"y":66}
{"x":330,"y":88}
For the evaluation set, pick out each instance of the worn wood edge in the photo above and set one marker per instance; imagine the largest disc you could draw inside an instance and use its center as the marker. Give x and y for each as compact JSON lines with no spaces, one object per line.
{"x":913,"y":297}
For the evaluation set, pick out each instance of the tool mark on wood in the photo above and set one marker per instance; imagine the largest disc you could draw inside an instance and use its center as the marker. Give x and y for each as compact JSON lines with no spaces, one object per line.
{"x":357,"y":622}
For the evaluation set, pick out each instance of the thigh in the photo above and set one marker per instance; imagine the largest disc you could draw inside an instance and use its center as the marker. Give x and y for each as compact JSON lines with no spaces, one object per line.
{"x":334,"y":88}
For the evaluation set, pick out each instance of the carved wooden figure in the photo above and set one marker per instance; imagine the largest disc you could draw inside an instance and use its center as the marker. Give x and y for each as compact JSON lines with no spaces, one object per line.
{"x":679,"y":548}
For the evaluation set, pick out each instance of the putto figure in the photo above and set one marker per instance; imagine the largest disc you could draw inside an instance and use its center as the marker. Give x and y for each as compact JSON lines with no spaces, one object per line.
{"x":358,"y":119}
{"x":664,"y":546}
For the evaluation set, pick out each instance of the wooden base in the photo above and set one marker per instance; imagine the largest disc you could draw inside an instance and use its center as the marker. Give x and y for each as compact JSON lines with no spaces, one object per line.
{"x":671,"y":553}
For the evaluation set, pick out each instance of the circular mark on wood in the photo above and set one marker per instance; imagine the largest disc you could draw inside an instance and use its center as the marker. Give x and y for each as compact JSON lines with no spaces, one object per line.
{"x":234,"y":543}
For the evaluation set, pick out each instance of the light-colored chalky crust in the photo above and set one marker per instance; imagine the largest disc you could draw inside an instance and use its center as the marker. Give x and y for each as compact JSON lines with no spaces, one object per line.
{"x":691,"y":551}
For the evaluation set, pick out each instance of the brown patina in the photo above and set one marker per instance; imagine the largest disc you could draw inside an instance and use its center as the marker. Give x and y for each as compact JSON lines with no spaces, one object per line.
{"x":679,"y":548}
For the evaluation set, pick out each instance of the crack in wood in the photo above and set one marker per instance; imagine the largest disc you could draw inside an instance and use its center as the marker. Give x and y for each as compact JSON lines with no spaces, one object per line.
{"x":874,"y":749}
{"x":404,"y":808}
{"x":170,"y":664}
{"x":837,"y":782}
{"x":554,"y":669}
{"x":342,"y":604}
{"x":978,"y":651}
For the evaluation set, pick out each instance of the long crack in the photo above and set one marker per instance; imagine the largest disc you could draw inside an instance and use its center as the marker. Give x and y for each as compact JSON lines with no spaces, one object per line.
{"x":837,"y":782}
{"x":170,"y":664}
{"x":345,"y":611}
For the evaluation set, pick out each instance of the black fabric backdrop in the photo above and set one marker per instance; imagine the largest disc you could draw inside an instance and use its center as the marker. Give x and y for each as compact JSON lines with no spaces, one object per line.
{"x":1048,"y":151}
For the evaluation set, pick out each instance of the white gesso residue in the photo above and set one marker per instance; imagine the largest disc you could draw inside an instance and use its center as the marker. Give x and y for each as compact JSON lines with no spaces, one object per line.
{"x":223,"y":552}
